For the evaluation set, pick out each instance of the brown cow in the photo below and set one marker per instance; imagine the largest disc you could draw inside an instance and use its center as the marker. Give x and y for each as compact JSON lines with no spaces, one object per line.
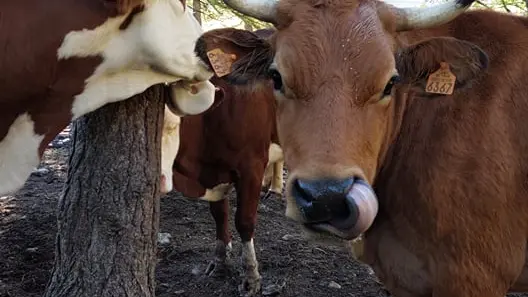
{"x":356,"y":107}
{"x":228,"y":145}
{"x":62,"y":59}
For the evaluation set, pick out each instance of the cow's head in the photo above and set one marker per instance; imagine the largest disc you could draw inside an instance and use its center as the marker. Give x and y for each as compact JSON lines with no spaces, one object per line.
{"x":341,"y":69}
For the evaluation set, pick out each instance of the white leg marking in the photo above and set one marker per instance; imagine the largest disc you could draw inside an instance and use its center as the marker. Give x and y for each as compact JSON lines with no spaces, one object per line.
{"x":19,"y":154}
{"x":170,"y":143}
{"x":216,"y":194}
{"x":249,"y":258}
{"x":157,"y":47}
{"x":251,"y":284}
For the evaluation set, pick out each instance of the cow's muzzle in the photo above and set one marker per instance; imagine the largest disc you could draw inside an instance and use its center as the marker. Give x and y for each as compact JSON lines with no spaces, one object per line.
{"x":344,"y":208}
{"x":191,"y":98}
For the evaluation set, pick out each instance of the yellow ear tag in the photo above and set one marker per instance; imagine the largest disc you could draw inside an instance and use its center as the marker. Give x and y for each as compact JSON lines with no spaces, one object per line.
{"x":442,"y":81}
{"x":221,"y":61}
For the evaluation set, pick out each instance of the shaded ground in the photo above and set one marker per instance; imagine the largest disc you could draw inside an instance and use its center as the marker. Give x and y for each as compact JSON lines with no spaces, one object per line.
{"x":301,"y":268}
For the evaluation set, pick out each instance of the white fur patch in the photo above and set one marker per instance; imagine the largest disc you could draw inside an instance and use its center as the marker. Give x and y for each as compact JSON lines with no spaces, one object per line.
{"x":216,"y":194}
{"x":19,"y":154}
{"x":157,"y":47}
{"x":249,"y":259}
{"x":170,"y":143}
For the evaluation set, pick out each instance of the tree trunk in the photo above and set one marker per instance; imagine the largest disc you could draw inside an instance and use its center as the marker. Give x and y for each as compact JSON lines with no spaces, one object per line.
{"x":197,"y":10}
{"x":108,"y":215}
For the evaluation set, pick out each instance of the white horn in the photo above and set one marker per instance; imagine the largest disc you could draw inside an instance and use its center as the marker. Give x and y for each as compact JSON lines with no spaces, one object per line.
{"x":264,"y":10}
{"x":420,"y":18}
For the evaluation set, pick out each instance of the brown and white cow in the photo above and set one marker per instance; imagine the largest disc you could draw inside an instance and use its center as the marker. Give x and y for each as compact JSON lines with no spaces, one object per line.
{"x":62,"y":59}
{"x":356,"y":107}
{"x":228,"y":145}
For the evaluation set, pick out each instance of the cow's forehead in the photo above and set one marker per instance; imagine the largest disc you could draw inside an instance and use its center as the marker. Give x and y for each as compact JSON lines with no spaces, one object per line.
{"x":348,"y":43}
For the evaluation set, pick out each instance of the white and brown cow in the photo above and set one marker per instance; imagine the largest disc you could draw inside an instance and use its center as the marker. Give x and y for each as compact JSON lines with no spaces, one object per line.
{"x":62,"y":59}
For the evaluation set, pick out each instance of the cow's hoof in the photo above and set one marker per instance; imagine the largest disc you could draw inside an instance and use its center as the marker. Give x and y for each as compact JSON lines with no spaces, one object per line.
{"x":216,"y":269}
{"x":272,"y":195}
{"x":249,"y":287}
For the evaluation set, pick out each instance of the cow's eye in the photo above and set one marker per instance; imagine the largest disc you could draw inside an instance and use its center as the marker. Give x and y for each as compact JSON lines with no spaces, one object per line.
{"x":277,"y":79}
{"x":388,"y":88}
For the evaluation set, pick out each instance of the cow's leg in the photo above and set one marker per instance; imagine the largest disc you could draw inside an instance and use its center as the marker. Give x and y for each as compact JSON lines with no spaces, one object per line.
{"x":278,"y":180}
{"x":220,"y":211}
{"x":273,"y":175}
{"x":248,"y":189}
{"x":268,"y":175}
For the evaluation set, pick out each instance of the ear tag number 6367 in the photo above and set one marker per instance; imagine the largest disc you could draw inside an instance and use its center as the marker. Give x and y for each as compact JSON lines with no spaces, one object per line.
{"x":441,"y":81}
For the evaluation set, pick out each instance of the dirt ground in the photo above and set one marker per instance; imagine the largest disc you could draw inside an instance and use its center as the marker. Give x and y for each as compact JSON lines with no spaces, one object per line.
{"x":289,"y":264}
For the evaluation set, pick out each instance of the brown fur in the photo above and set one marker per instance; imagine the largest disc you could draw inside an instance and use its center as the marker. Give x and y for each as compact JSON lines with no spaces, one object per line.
{"x":449,"y":171}
{"x":228,"y":144}
{"x":32,"y":80}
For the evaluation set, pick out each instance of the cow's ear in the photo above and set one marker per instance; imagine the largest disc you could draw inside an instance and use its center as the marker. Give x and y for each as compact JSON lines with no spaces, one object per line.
{"x":239,"y":56}
{"x":418,"y":61}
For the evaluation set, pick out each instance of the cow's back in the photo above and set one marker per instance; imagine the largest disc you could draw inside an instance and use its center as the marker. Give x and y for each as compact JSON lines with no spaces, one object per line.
{"x":30,"y":71}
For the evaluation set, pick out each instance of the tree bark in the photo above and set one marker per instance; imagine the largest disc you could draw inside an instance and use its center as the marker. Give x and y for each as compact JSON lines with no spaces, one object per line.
{"x":108,"y":215}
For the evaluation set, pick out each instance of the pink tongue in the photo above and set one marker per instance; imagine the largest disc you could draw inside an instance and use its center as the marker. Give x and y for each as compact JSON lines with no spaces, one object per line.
{"x":367,"y":204}
{"x":363,"y":205}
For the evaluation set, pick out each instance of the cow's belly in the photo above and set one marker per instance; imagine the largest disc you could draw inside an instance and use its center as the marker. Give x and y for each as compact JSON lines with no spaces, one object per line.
{"x":402,"y":272}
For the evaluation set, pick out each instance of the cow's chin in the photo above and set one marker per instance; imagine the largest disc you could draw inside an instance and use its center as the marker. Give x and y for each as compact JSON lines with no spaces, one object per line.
{"x":361,"y":197}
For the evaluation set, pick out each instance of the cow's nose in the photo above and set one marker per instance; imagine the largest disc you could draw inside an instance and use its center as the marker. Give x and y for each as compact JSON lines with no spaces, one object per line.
{"x":323,"y":200}
{"x":342,"y":207}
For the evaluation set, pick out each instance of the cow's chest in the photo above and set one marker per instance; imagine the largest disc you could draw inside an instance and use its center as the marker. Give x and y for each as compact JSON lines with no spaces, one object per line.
{"x":400,"y":270}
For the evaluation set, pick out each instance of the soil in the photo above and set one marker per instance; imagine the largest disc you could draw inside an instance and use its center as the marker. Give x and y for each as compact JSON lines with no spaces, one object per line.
{"x":289,"y":264}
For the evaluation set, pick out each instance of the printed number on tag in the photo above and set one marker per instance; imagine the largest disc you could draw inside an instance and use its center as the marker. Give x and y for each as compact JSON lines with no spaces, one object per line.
{"x":441,"y":81}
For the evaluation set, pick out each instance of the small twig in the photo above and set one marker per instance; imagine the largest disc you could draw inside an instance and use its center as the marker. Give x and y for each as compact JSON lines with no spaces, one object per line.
{"x":505,"y":6}
{"x":483,"y":4}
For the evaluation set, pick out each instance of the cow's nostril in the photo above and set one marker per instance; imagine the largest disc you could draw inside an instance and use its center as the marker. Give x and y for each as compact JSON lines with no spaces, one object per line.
{"x":322,"y":200}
